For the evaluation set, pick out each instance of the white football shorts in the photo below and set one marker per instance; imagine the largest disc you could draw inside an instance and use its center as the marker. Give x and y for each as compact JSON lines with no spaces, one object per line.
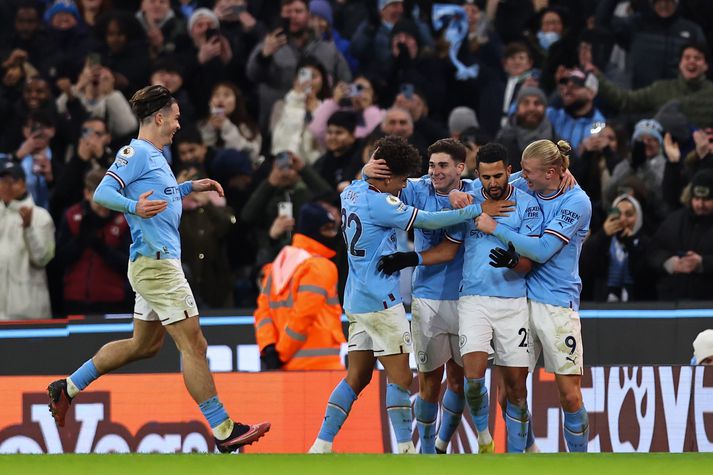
{"x":385,"y":332}
{"x":557,"y":332}
{"x":434,"y":324}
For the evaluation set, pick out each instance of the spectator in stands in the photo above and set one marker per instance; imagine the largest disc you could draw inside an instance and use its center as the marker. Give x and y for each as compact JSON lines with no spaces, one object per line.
{"x":371,"y":42}
{"x":703,"y":348}
{"x":341,"y":163}
{"x":165,"y":31}
{"x":357,"y":96}
{"x":291,"y":117}
{"x":167,"y":72}
{"x":293,"y":182}
{"x":297,"y":320}
{"x":240,"y":26}
{"x":646,"y":164}
{"x":229,"y":125}
{"x":68,"y":40}
{"x":518,"y":66}
{"x":683,"y":245}
{"x":26,"y":246}
{"x":593,"y":168}
{"x":91,"y":152}
{"x":426,"y":130}
{"x":40,"y":162}
{"x":678,"y":172}
{"x":90,"y":10}
{"x":692,"y":69}
{"x":653,"y":38}
{"x":96,"y":95}
{"x":205,"y":226}
{"x":616,"y":255}
{"x":93,"y":249}
{"x":321,"y":22}
{"x":192,"y":151}
{"x":574,"y":120}
{"x":123,"y":47}
{"x":459,"y":119}
{"x":28,"y":37}
{"x":527,"y":124}
{"x":274,"y":62}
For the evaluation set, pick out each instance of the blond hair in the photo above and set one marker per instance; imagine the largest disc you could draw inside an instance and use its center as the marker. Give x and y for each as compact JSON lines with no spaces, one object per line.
{"x":551,"y":155}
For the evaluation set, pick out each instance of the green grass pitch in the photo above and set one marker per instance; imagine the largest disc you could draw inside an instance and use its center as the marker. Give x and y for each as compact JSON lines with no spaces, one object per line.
{"x":347,"y":464}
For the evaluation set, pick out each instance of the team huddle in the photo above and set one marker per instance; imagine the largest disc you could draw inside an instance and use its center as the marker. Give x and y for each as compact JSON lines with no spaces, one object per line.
{"x":496,"y":269}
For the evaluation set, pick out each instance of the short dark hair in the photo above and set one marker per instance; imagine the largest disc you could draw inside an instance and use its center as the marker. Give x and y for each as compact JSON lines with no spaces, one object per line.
{"x":698,"y":46}
{"x":450,"y":147}
{"x":401,"y":157}
{"x":492,"y":152}
{"x":515,"y":47}
{"x":188,"y":134}
{"x":147,"y":101}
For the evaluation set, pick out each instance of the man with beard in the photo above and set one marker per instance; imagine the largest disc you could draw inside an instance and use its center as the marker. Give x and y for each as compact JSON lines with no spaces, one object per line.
{"x":297,"y":320}
{"x":573,"y":122}
{"x":492,"y":305}
{"x":527,"y":124}
{"x":273,"y":62}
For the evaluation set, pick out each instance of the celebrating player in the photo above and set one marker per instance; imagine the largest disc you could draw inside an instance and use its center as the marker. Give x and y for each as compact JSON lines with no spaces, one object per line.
{"x":164,"y":301}
{"x":377,"y":321}
{"x":553,"y":287}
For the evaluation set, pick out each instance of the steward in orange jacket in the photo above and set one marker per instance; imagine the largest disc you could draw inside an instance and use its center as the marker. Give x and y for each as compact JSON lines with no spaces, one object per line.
{"x":298,"y":317}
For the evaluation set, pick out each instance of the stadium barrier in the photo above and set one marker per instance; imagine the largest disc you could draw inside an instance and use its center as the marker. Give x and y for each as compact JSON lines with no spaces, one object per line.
{"x":631,"y":408}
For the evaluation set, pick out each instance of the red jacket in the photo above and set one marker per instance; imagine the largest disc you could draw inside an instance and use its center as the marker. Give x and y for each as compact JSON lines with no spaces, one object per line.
{"x":90,"y":278}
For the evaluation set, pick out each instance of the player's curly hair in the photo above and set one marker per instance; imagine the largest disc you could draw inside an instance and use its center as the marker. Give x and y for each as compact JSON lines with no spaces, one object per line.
{"x":401,"y":157}
{"x":451,"y":147}
{"x":492,"y":152}
{"x":147,"y":101}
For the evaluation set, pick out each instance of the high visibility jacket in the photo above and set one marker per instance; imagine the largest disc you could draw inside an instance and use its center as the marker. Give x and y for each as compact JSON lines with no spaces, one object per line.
{"x":298,"y":308}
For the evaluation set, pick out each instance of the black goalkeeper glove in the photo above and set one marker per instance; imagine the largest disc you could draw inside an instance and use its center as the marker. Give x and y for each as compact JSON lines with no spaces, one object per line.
{"x":500,"y":257}
{"x":391,"y":263}
{"x":269,"y":359}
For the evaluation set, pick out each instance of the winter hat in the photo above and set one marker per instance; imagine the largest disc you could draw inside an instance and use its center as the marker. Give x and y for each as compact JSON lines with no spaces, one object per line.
{"x":229,"y":163}
{"x":460,"y":119}
{"x":344,"y":119}
{"x":312,"y":217}
{"x":702,"y":184}
{"x":527,"y":91}
{"x":66,"y":6}
{"x":203,"y":12}
{"x":408,"y":27}
{"x":703,"y":346}
{"x":648,"y":127}
{"x":385,"y":3}
{"x":674,"y":121}
{"x":321,"y":8}
{"x":12,"y":169}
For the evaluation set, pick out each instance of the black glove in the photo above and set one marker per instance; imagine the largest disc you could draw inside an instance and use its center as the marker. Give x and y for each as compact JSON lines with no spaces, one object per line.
{"x":638,"y":154}
{"x":500,"y":257}
{"x":269,"y":359}
{"x":391,"y":263}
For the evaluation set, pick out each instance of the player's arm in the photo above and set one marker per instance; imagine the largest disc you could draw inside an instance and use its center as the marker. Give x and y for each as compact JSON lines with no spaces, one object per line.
{"x":441,"y":253}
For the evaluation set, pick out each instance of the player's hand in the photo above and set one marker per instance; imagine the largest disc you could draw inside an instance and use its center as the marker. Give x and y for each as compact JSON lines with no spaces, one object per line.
{"x":500,"y":257}
{"x":376,"y":168}
{"x":497,"y":208}
{"x":568,"y":180}
{"x":459,"y":199}
{"x":206,"y":184}
{"x":269,"y":359}
{"x":391,"y":263}
{"x":26,"y":215}
{"x":485,"y":223}
{"x":146,"y":208}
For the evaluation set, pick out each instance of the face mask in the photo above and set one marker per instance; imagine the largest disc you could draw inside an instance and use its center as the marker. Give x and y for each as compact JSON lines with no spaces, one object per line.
{"x":547,"y":38}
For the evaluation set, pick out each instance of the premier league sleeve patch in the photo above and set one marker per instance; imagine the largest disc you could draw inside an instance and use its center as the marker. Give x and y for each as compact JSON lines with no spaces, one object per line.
{"x":122,"y":158}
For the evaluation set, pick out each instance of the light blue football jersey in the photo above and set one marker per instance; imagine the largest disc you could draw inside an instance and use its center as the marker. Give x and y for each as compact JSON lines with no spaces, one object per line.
{"x":479,"y":277}
{"x":566,"y":215}
{"x":437,"y":282}
{"x":140,"y":167}
{"x":369,"y":220}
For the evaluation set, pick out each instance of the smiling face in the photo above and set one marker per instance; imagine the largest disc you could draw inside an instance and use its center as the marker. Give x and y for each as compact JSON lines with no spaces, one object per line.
{"x":494,"y":177}
{"x":168,"y":122}
{"x":537,"y":177}
{"x":518,"y":63}
{"x":338,"y":139}
{"x":530,"y":112}
{"x":444,"y":172}
{"x":627,"y":216}
{"x":551,"y":21}
{"x":693,"y":64}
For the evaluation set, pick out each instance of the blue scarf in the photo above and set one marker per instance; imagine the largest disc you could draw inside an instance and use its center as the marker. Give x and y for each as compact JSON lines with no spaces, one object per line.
{"x":455,"y":19}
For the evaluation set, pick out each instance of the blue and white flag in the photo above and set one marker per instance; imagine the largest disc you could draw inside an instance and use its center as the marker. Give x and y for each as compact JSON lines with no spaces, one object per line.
{"x":455,"y":19}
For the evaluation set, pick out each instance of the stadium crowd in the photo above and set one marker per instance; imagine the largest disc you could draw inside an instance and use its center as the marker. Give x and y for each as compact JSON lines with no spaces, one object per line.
{"x":281,"y":102}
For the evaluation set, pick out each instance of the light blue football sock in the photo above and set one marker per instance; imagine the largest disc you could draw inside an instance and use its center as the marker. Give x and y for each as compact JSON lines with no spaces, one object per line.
{"x":517,"y":421}
{"x":398,"y":407}
{"x":477,"y":396}
{"x":576,"y":430}
{"x":84,"y":375}
{"x":338,"y":407}
{"x":426,"y":413}
{"x":451,"y":414}
{"x":213,"y":411}
{"x":530,"y":433}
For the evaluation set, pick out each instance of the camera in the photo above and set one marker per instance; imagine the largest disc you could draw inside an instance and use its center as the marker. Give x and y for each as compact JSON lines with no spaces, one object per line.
{"x":355,"y":89}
